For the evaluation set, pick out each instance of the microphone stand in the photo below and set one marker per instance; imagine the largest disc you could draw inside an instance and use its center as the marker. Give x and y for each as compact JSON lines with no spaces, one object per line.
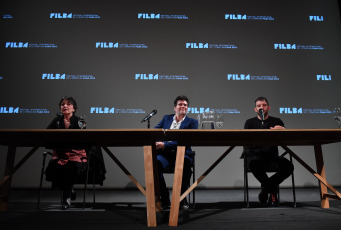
{"x":261,"y":115}
{"x":148,"y":123}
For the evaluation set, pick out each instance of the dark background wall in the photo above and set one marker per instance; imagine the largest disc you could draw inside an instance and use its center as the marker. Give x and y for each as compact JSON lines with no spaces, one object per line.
{"x":288,"y":51}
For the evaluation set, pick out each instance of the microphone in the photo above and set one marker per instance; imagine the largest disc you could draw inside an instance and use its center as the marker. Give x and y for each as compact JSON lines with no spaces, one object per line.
{"x":261,"y":114}
{"x":59,"y":115}
{"x":149,"y":116}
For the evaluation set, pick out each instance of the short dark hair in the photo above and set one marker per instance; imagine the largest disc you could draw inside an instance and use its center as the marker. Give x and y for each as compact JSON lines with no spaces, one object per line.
{"x":262,"y":99}
{"x":180,"y":98}
{"x":69,"y":99}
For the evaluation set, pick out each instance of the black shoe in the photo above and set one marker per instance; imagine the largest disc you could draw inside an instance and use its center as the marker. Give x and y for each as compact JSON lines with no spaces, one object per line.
{"x":165,"y":202}
{"x":263,"y":196}
{"x":273,"y":199}
{"x":73,"y":195}
{"x":184,"y":204}
{"x":66,"y":204}
{"x":185,"y":209}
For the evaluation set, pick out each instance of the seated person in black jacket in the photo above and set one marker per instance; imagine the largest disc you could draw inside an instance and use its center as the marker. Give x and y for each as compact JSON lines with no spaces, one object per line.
{"x":69,"y":165}
{"x":166,"y":150}
{"x":258,"y":157}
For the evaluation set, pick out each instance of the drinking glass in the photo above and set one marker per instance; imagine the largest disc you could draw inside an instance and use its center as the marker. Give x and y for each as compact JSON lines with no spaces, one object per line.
{"x":337,"y":115}
{"x":206,"y":120}
{"x":82,"y":122}
{"x":219,"y":120}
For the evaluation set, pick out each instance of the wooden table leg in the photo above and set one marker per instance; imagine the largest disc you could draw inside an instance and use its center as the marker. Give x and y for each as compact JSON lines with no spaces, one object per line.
{"x":178,"y":171}
{"x":322,"y":172}
{"x":319,"y":175}
{"x":156,"y":180}
{"x":150,"y":189}
{"x":121,"y":166}
{"x":6,"y":186}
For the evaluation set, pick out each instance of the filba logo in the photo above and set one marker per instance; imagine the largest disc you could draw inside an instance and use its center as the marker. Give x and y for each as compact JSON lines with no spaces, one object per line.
{"x":238,"y":77}
{"x":28,"y":45}
{"x":63,"y":76}
{"x":16,"y":45}
{"x":235,"y":16}
{"x":14,"y":110}
{"x":300,"y":110}
{"x":316,"y":18}
{"x":197,"y":45}
{"x":201,"y":45}
{"x":60,"y":15}
{"x":106,"y":45}
{"x":248,"y":17}
{"x":52,"y":76}
{"x":290,"y":110}
{"x":149,"y":76}
{"x":249,"y":77}
{"x":323,"y":77}
{"x":284,"y":46}
{"x":148,"y":16}
{"x":199,"y":110}
{"x":9,"y":109}
{"x":158,"y":16}
{"x":110,"y":45}
{"x":288,"y":46}
{"x":113,"y":110}
{"x":72,"y":15}
{"x":102,"y":110}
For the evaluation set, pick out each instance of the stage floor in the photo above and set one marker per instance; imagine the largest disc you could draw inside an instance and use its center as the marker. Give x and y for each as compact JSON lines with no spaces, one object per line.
{"x":126,"y":209}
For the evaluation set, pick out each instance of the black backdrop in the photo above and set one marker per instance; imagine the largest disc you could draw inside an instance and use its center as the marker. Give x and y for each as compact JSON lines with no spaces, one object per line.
{"x":122,"y":59}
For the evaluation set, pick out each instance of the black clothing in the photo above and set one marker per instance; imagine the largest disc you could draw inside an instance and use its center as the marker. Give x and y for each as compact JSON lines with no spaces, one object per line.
{"x":186,"y":176}
{"x":58,"y":123}
{"x":166,"y":157}
{"x":260,"y":157}
{"x":65,"y":176}
{"x":262,"y":151}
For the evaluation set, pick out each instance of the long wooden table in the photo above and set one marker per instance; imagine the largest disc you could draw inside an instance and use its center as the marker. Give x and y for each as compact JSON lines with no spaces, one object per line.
{"x":233,"y":138}
{"x":54,"y":138}
{"x":146,"y":138}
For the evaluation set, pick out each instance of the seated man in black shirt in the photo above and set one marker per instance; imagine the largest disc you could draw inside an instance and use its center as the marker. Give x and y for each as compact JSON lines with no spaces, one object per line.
{"x":258,"y":157}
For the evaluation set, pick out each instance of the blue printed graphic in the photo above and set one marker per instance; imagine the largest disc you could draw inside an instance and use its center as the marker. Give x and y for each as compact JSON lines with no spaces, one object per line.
{"x":158,"y":16}
{"x":149,"y":76}
{"x":248,"y":17}
{"x":111,"y":45}
{"x":72,"y":15}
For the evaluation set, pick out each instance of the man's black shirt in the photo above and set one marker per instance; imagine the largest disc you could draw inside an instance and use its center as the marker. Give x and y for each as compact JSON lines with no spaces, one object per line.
{"x":262,"y":151}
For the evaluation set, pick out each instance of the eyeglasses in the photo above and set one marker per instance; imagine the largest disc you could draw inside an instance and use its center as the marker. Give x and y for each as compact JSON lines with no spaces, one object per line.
{"x":181,"y":104}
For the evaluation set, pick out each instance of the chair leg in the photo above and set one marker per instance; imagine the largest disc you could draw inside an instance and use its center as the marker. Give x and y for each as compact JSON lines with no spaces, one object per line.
{"x":86,"y":181}
{"x":292,"y":180}
{"x":246,"y":184}
{"x":94,"y":184}
{"x":244,"y":188}
{"x":41,"y":179}
{"x":94,"y":193}
{"x":193,"y":183}
{"x":247,"y":193}
{"x":279,"y":195}
{"x":293,"y":185}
